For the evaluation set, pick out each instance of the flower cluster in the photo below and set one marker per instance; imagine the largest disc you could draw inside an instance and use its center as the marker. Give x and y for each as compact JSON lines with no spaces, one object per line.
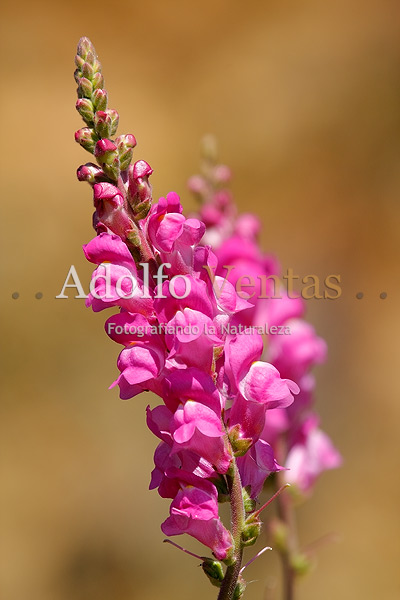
{"x":215,"y":387}
{"x":292,"y":431}
{"x":226,"y":398}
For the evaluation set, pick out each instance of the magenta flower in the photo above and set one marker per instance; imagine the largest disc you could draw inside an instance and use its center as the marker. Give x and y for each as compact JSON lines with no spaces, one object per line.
{"x":311,"y":453}
{"x":256,"y":465}
{"x":197,"y":427}
{"x":195,"y":511}
{"x":294,"y":354}
{"x":263,"y":384}
{"x":112,"y":213}
{"x":172,"y":234}
{"x":115,"y":282}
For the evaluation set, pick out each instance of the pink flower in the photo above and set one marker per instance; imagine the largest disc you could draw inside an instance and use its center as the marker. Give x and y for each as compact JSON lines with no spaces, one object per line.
{"x":112,"y":211}
{"x":294,"y":354}
{"x":256,"y":465}
{"x":263,"y":384}
{"x":195,"y":511}
{"x":190,"y":384}
{"x":115,"y":282}
{"x":198,"y":428}
{"x":140,"y":366}
{"x":172,"y":234}
{"x":311,"y":454}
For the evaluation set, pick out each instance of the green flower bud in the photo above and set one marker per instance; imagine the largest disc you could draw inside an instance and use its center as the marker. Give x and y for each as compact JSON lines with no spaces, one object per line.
{"x":250,"y":533}
{"x":114,"y":120}
{"x":248,"y":502}
{"x":213,"y":570}
{"x":239,"y":589}
{"x":134,"y":238}
{"x":300,"y":564}
{"x":142,"y":209}
{"x":84,"y":107}
{"x":79,"y":61}
{"x":239,"y":444}
{"x":99,"y":99}
{"x":98,"y":81}
{"x":84,"y":47}
{"x":85,"y":88}
{"x":107,"y":156}
{"x":87,"y":71}
{"x":96,"y":65}
{"x":279,"y":534}
{"x":87,"y":138}
{"x":125,"y":145}
{"x":106,"y":123}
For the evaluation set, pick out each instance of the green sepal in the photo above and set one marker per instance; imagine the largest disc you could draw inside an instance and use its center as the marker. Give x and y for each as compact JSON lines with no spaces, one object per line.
{"x":214,"y":571}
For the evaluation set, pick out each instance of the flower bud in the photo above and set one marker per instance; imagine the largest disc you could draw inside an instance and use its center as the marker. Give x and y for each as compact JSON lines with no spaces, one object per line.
{"x":98,"y":81}
{"x":240,"y":444}
{"x":84,"y":107}
{"x":77,"y":75}
{"x":239,"y":589}
{"x":279,"y":534}
{"x":213,"y":570}
{"x":87,"y":138}
{"x":99,"y":99}
{"x":248,"y":502}
{"x":125,"y":145}
{"x":222,"y":174}
{"x":107,"y":156}
{"x":140,"y":197}
{"x":79,"y":61}
{"x":106,"y":123}
{"x":250,"y":532}
{"x":104,"y":147}
{"x":300,"y":564}
{"x":134,"y":238}
{"x":102,"y":124}
{"x":87,"y":71}
{"x":90,"y":173}
{"x":197,"y":185}
{"x":85,"y":88}
{"x":111,"y":211}
{"x":84,"y":47}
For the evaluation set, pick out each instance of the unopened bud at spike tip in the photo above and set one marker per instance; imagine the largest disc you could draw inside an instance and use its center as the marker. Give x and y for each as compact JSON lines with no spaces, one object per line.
{"x":85,"y":88}
{"x":84,"y":47}
{"x":99,"y":99}
{"x":87,"y":71}
{"x":98,"y":81}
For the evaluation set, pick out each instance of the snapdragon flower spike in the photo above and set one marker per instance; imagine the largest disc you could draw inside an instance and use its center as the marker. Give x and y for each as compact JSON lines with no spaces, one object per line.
{"x":287,"y":431}
{"x":215,"y":390}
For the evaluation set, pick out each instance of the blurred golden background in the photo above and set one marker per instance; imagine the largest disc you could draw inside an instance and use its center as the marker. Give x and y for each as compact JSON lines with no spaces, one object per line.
{"x":304,"y":98}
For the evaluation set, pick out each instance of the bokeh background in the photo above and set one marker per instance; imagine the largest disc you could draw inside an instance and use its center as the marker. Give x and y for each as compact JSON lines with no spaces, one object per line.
{"x":304,"y":98}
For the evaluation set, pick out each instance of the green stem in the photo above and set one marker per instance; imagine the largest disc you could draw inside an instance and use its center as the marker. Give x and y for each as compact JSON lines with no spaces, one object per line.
{"x":238,"y":517}
{"x":287,"y":516}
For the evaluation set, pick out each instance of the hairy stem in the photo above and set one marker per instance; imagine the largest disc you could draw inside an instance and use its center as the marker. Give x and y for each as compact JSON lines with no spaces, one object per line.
{"x":238,"y":520}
